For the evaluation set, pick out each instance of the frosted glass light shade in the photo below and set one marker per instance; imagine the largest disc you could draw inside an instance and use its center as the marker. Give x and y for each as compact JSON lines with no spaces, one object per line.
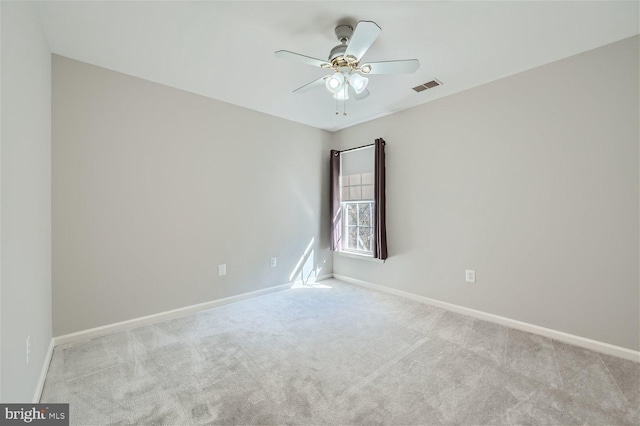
{"x":335,"y":82}
{"x":358,"y":82}
{"x":342,"y":94}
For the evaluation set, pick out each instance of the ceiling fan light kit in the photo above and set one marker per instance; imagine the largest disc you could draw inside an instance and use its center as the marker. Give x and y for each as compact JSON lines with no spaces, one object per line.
{"x":345,"y":60}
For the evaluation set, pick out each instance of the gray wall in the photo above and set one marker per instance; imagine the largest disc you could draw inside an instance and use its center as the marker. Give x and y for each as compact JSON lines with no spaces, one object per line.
{"x":532,"y":181}
{"x":153,"y":187}
{"x":25,"y":176}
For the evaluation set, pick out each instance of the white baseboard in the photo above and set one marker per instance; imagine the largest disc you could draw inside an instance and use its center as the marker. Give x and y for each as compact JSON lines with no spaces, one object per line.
{"x":43,"y":374}
{"x":163,"y":316}
{"x":560,"y":336}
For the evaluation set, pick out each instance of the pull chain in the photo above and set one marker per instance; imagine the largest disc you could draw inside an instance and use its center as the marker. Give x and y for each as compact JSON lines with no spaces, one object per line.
{"x":345,"y":91}
{"x":344,"y":99}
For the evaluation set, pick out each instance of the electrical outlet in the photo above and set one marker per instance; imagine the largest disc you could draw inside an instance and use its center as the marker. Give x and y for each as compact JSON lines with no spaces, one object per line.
{"x":273,"y":262}
{"x":28,"y":348}
{"x":470,"y":276}
{"x":222,"y":269}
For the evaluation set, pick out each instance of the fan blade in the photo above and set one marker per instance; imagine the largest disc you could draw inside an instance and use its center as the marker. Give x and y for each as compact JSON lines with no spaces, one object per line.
{"x":285,"y":54}
{"x":358,"y":96}
{"x":363,"y":37}
{"x":406,"y":66}
{"x":315,"y":83}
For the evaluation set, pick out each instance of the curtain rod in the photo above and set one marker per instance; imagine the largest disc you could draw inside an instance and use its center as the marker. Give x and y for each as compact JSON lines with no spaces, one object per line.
{"x":359,"y":147}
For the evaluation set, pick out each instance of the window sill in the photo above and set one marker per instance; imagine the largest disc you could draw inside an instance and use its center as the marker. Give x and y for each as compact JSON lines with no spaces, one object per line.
{"x":358,"y":256}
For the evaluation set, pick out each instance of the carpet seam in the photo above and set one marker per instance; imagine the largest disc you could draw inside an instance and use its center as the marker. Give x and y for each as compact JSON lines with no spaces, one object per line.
{"x":384,"y":367}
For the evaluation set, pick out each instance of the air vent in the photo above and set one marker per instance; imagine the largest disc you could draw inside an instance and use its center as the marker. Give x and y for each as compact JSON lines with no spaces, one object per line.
{"x":427,"y":85}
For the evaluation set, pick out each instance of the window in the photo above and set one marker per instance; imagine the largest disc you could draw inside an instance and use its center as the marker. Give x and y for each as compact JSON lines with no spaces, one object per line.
{"x":359,"y":227}
{"x":357,"y":201}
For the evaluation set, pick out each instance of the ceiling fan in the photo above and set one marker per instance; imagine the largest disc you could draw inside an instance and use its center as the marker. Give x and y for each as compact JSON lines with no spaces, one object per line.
{"x":346,"y":61}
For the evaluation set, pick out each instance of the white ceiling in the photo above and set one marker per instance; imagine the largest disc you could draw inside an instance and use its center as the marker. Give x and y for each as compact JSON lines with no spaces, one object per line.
{"x":224,"y":50}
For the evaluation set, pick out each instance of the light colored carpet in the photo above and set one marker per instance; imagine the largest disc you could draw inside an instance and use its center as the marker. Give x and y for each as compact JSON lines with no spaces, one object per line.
{"x":338,"y":355}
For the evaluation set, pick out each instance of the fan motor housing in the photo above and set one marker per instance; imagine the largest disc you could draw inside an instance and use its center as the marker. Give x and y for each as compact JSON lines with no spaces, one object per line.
{"x":344,"y":33}
{"x":337,"y":51}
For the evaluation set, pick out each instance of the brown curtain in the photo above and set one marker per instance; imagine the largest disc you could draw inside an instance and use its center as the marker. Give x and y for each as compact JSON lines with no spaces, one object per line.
{"x":380,"y":225}
{"x":336,"y":210}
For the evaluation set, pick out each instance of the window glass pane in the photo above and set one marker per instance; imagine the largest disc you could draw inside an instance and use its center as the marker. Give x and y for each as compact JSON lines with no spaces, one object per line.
{"x":352,"y":238}
{"x":367,"y":192}
{"x":352,"y":214}
{"x":367,"y":178}
{"x":357,"y":162}
{"x":364,"y":239}
{"x":345,"y":193}
{"x":365,"y":214}
{"x":355,"y":193}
